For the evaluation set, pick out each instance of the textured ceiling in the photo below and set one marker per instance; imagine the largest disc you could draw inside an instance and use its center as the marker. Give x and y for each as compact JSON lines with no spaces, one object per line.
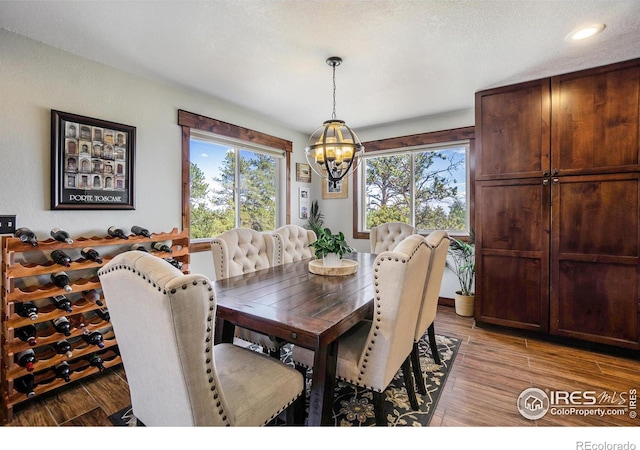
{"x":403,"y":59}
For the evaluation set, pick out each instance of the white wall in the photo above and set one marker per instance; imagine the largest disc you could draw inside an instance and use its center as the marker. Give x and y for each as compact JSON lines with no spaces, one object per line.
{"x":35,"y":78}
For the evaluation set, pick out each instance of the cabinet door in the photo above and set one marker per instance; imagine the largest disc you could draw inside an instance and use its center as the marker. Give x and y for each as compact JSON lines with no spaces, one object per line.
{"x":512,"y":253}
{"x":512,"y":131}
{"x":596,"y":121}
{"x":595,"y":258}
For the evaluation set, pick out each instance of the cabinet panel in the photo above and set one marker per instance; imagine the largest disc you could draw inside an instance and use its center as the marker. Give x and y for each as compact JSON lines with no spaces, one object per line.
{"x":513,"y":291}
{"x":512,"y":131}
{"x":596,"y":216}
{"x":596,"y":302}
{"x":512,"y":244}
{"x":595,"y":258}
{"x":596,"y":121}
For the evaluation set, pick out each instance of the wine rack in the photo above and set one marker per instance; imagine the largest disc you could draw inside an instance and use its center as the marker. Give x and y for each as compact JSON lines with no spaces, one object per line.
{"x":26,"y":276}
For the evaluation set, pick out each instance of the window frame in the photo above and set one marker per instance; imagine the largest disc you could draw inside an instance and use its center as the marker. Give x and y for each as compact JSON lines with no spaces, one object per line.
{"x":189,"y":121}
{"x":238,"y":147}
{"x":408,"y":143}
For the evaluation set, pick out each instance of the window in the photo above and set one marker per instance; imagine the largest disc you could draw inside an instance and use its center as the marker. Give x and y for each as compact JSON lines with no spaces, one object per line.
{"x":250,"y":149}
{"x":425,"y":188}
{"x":423,"y":180}
{"x":233,"y":184}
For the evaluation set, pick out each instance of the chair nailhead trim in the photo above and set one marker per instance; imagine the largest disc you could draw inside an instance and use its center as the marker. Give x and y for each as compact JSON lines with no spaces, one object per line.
{"x":209,"y":329}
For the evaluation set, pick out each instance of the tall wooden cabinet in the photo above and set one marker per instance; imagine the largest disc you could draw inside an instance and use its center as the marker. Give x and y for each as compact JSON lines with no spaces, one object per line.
{"x":558,"y":205}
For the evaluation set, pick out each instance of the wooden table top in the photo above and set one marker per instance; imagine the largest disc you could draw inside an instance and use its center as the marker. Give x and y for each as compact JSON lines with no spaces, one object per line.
{"x":296,"y":305}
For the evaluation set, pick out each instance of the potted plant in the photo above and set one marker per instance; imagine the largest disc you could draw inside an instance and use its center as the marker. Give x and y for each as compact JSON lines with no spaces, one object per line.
{"x":331,"y":247}
{"x":463,"y":264}
{"x":316,"y":218}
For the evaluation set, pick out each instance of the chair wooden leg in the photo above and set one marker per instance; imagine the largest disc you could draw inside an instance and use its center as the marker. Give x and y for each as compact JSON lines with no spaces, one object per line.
{"x":378,"y":408}
{"x":417,"y":370}
{"x":408,"y":382}
{"x":433,"y":345}
{"x":296,"y":412}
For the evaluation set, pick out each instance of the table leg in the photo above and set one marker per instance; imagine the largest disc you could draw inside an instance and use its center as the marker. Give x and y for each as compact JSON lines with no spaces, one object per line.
{"x":224,"y":331}
{"x":323,"y":384}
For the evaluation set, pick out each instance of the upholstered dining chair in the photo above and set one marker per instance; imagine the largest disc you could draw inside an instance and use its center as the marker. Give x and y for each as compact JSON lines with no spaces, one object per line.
{"x":243,"y":250}
{"x":292,"y":243}
{"x":164,"y":321}
{"x":387,"y":236}
{"x":371,"y":353}
{"x":438,"y":241}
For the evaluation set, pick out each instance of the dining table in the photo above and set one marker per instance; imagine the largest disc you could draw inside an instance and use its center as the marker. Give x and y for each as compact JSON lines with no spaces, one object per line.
{"x":294,"y":305}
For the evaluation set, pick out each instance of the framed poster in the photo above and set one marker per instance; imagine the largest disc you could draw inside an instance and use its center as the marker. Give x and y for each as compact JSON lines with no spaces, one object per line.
{"x":303,"y":203}
{"x":335,"y":189}
{"x":91,"y":163}
{"x":303,"y":173}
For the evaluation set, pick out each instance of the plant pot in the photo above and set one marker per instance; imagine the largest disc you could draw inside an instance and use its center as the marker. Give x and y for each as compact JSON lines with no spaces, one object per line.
{"x":331,"y":260}
{"x":464,"y":304}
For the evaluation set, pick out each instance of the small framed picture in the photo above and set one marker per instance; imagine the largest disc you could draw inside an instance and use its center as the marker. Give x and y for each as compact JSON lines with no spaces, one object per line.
{"x":303,"y":203}
{"x":303,"y":173}
{"x":91,"y":163}
{"x":335,"y":189}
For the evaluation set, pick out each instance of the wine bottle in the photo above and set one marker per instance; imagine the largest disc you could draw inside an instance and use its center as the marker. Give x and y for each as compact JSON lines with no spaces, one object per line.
{"x":61,"y":235}
{"x":92,"y":296}
{"x":174,"y":262}
{"x":26,"y":359}
{"x":78,"y":321}
{"x":91,"y":254}
{"x":61,"y":280}
{"x":26,"y":236}
{"x":139,"y":231}
{"x":62,"y":325}
{"x":28,"y":334}
{"x":61,"y":302}
{"x":103,"y":313}
{"x":159,"y":246}
{"x":26,"y":385}
{"x":138,"y":247}
{"x":63,"y":348}
{"x":96,"y":361}
{"x":60,"y":257}
{"x":117,"y":232}
{"x":27,"y":309}
{"x":63,"y":370}
{"x":94,"y":338}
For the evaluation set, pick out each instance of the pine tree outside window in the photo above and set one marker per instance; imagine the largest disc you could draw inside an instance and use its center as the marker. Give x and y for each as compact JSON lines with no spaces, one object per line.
{"x":425,"y":187}
{"x":233,"y":184}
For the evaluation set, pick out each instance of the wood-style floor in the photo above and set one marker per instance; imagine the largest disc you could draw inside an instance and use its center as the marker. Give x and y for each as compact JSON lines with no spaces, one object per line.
{"x":491,"y":369}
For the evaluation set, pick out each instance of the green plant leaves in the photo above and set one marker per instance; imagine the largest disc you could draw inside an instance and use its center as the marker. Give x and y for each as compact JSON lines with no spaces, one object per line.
{"x":328,"y":242}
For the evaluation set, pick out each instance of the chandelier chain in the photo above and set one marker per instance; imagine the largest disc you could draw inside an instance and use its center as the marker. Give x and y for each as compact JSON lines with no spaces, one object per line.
{"x":333,"y":116}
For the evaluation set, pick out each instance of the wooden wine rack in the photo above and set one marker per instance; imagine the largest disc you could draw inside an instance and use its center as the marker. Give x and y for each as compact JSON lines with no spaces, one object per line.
{"x":25,"y":277}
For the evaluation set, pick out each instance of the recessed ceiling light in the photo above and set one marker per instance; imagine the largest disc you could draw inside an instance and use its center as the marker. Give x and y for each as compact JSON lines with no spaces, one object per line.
{"x":586,"y":32}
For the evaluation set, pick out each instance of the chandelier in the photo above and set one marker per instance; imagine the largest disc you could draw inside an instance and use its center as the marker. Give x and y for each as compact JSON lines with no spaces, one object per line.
{"x":334,"y":149}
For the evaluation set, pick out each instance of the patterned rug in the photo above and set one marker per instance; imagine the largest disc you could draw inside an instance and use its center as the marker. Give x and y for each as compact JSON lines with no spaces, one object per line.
{"x":353,"y":406}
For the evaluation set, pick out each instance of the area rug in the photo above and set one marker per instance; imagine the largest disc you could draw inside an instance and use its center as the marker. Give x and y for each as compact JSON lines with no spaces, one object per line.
{"x":353,"y":406}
